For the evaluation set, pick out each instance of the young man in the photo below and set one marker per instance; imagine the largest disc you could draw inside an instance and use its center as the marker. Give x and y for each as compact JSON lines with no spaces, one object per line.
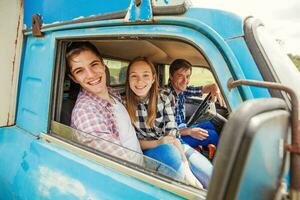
{"x":200,"y":134}
{"x":98,"y":111}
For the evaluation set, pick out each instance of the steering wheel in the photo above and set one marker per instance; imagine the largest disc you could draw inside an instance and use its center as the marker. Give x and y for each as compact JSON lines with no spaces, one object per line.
{"x":205,"y":112}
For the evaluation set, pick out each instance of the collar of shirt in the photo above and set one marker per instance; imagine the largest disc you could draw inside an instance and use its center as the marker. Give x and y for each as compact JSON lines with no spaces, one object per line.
{"x":178,"y":97}
{"x":171,"y":90}
{"x":101,"y":101}
{"x":144,"y":101}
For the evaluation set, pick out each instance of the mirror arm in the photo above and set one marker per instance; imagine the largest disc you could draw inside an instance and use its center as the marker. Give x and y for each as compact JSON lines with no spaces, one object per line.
{"x":293,"y":148}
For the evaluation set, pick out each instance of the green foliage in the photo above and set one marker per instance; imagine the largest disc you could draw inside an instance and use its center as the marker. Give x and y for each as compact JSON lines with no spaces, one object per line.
{"x":200,"y":76}
{"x":295,"y":59}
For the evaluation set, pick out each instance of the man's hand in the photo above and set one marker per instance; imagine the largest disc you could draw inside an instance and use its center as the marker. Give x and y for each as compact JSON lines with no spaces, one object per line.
{"x":215,"y":93}
{"x":197,"y":133}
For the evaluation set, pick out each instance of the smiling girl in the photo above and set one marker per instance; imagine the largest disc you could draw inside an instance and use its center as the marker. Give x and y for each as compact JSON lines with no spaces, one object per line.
{"x":153,"y":117}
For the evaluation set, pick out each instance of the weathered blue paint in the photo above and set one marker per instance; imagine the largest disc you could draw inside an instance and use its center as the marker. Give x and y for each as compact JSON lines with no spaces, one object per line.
{"x":226,"y":24}
{"x":29,"y":164}
{"x":247,"y":65}
{"x":141,"y":13}
{"x":33,"y":169}
{"x":35,"y":84}
{"x":55,"y":11}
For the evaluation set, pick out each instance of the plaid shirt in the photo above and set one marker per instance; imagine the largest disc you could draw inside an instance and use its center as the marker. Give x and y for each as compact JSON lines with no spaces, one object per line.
{"x":95,"y":119}
{"x":191,"y":91}
{"x":164,"y":123}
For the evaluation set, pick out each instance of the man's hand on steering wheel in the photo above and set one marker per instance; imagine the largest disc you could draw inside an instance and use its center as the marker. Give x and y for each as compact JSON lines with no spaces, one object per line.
{"x":215,"y":93}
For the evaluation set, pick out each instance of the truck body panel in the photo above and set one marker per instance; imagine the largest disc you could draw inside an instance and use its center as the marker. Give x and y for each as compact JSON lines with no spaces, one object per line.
{"x":37,"y":163}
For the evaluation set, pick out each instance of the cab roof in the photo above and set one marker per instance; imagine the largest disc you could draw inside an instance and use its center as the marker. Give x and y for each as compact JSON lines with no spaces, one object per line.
{"x":59,"y":12}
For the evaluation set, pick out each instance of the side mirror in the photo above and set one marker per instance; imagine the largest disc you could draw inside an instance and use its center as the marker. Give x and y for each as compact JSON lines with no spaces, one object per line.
{"x":250,"y":158}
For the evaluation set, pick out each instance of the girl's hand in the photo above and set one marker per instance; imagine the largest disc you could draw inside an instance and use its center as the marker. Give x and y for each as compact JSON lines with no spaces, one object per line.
{"x":167,"y":140}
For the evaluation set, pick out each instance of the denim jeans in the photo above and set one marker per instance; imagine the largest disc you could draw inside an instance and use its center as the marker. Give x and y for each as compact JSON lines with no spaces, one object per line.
{"x":199,"y":164}
{"x":169,"y":155}
{"x":213,"y":137}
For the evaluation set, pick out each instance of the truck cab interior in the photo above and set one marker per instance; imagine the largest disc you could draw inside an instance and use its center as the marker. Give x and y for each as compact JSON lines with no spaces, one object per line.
{"x":118,"y":53}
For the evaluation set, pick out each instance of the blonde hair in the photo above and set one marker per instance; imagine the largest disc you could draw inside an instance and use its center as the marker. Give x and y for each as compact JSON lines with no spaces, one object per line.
{"x":132,"y":99}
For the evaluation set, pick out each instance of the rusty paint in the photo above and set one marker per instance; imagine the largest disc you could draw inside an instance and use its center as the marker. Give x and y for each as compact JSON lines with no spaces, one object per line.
{"x":138,"y":3}
{"x":295,"y":146}
{"x":14,"y":59}
{"x":7,"y":121}
{"x":293,"y":149}
{"x":16,"y":40}
{"x":37,"y":25}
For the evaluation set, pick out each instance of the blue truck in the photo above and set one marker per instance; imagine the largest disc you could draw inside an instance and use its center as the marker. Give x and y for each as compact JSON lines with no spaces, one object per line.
{"x":258,"y":156}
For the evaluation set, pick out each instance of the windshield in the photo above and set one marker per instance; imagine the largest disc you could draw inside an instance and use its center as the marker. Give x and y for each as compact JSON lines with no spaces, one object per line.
{"x":283,"y":69}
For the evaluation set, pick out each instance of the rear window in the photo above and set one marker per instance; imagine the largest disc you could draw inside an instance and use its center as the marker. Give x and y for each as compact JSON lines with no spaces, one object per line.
{"x":205,"y":74}
{"x":117,"y":69}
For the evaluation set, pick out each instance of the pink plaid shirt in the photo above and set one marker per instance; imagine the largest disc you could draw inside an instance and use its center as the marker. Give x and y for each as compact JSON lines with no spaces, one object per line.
{"x":95,"y":120}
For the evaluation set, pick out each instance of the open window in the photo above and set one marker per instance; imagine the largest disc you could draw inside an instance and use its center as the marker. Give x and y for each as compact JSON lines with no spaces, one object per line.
{"x":117,"y":54}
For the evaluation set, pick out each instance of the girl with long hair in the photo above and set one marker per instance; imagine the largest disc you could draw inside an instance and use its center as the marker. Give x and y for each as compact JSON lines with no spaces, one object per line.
{"x":152,"y":115}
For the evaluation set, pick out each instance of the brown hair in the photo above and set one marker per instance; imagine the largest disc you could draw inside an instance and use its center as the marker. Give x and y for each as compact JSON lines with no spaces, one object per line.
{"x":178,"y":64}
{"x":132,"y":99}
{"x":75,"y":48}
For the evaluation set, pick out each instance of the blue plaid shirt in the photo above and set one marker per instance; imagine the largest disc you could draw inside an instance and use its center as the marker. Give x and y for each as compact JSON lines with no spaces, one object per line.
{"x":191,"y":91}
